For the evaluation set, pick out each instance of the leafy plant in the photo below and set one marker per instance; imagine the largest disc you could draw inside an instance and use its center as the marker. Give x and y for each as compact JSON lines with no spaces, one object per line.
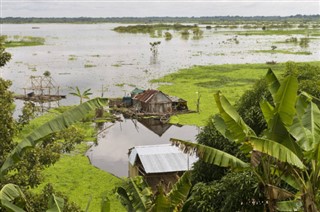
{"x":84,"y":95}
{"x":287,"y":151}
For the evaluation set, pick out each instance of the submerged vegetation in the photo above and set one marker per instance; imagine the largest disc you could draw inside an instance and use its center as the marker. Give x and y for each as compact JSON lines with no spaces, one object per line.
{"x":278,"y":51}
{"x":18,"y":41}
{"x":233,"y":80}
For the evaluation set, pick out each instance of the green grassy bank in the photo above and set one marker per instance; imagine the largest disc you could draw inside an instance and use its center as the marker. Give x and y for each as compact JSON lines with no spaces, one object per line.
{"x":233,"y":80}
{"x":73,"y":174}
{"x":80,"y":181}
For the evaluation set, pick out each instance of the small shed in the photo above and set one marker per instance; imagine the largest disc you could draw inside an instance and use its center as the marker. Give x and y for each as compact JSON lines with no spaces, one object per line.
{"x":178,"y":104}
{"x":159,"y":163}
{"x":153,"y":102}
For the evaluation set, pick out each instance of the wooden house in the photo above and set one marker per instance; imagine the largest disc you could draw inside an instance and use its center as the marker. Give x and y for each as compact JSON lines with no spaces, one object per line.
{"x":153,"y":102}
{"x":159,"y":163}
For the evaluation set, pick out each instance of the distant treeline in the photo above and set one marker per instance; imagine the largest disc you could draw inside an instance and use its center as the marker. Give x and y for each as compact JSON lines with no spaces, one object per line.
{"x":203,"y":20}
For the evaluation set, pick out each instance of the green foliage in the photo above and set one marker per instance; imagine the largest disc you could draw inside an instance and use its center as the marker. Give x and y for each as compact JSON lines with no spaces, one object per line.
{"x":28,"y":113}
{"x":57,"y":124}
{"x":151,"y":29}
{"x":210,"y":136}
{"x":232,"y":80}
{"x":18,"y":41}
{"x":12,"y":198}
{"x":168,"y":35}
{"x":46,"y":199}
{"x":136,"y":195}
{"x":308,"y":76}
{"x":236,"y":191}
{"x":74,"y":176}
{"x":279,"y":51}
{"x":4,"y":56}
{"x":7,"y":129}
{"x":248,"y":106}
{"x":84,"y":95}
{"x":277,"y":156}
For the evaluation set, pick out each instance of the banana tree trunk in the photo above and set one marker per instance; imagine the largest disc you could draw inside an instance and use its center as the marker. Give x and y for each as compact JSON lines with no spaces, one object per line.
{"x":308,"y":201}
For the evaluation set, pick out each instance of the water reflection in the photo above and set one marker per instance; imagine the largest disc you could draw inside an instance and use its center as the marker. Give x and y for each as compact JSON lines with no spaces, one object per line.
{"x":111,"y":153}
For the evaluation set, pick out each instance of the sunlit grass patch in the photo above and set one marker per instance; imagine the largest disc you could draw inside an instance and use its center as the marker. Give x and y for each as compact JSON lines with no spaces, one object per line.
{"x":231,"y":79}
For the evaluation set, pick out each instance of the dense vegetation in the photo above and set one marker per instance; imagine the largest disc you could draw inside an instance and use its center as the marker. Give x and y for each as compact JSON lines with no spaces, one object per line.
{"x":250,"y":194}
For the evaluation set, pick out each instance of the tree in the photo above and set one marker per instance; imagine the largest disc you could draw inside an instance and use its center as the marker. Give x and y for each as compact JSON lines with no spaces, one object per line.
{"x":84,"y":95}
{"x":4,"y":56}
{"x":286,"y":154}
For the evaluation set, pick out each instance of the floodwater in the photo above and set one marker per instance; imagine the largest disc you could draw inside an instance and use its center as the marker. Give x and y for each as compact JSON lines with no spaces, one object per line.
{"x":94,"y":56}
{"x":123,"y":61}
{"x":111,"y":153}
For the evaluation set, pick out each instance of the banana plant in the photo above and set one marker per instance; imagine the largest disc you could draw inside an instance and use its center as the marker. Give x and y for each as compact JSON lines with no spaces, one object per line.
{"x":13,"y":199}
{"x":82,"y":95}
{"x":288,"y":151}
{"x":136,"y":195}
{"x":57,"y":124}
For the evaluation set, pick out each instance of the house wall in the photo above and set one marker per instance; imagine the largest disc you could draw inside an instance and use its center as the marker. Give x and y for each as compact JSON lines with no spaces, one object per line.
{"x":158,"y":104}
{"x":133,"y":171}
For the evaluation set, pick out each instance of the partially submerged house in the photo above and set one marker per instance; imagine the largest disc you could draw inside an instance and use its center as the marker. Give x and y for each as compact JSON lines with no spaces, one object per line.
{"x":152,"y":102}
{"x":159,"y":163}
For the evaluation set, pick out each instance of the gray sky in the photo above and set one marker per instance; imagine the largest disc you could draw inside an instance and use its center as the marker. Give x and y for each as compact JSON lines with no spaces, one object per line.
{"x":121,"y":8}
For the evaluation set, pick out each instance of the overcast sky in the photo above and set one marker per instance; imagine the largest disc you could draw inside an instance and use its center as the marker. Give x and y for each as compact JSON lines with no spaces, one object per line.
{"x":135,"y":8}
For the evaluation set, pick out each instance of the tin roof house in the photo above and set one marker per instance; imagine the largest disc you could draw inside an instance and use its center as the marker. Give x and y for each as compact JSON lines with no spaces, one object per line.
{"x":159,"y":163}
{"x":152,"y":102}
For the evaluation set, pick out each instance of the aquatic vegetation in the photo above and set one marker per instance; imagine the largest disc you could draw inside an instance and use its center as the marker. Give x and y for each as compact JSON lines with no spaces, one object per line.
{"x":311,"y":32}
{"x":232,"y":79}
{"x":284,"y":52}
{"x":89,"y":65}
{"x":19,"y":41}
{"x":151,"y":28}
{"x":72,"y":57}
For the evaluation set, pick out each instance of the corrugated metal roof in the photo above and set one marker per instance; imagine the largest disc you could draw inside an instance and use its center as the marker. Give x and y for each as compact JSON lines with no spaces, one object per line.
{"x":146,"y":95}
{"x":162,"y":158}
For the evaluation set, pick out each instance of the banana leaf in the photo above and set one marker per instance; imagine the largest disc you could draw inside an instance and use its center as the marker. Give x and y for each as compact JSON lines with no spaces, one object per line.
{"x":57,"y":124}
{"x":209,"y":154}
{"x":276,"y":150}
{"x":229,"y":123}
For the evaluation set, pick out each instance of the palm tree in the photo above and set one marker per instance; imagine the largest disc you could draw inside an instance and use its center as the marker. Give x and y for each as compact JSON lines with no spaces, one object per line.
{"x":288,"y":150}
{"x":84,"y":95}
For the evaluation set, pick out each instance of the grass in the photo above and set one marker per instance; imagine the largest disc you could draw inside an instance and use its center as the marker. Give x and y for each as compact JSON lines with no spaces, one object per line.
{"x":80,"y":181}
{"x":283,"y":52}
{"x":232,"y":80}
{"x":312,"y":32}
{"x":73,"y":174}
{"x":72,"y":57}
{"x":89,"y":65}
{"x":19,"y":41}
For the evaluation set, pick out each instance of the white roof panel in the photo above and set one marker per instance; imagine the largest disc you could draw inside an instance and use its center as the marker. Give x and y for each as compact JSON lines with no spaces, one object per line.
{"x":162,"y":158}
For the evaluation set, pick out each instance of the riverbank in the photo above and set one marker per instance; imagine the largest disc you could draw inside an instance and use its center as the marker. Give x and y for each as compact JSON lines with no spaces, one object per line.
{"x":73,"y":174}
{"x":203,"y":81}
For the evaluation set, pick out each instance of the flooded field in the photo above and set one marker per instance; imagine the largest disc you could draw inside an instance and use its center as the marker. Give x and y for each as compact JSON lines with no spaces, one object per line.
{"x":112,"y":64}
{"x":111,"y":153}
{"x":94,"y":56}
